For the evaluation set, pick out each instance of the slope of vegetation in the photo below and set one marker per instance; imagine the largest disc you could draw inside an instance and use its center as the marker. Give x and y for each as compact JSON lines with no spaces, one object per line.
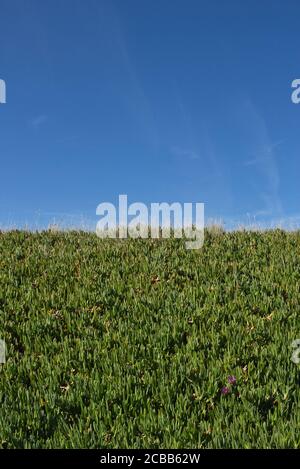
{"x":144,"y":344}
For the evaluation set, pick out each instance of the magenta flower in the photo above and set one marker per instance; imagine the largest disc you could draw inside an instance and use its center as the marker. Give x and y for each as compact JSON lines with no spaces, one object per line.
{"x":232,"y":380}
{"x":225,"y":390}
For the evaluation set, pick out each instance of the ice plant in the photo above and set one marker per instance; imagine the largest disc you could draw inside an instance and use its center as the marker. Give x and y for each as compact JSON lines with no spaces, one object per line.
{"x":225,"y":390}
{"x":232,"y":380}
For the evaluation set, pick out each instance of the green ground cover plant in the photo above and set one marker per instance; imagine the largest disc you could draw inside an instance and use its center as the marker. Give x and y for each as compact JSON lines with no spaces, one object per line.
{"x":144,"y":344}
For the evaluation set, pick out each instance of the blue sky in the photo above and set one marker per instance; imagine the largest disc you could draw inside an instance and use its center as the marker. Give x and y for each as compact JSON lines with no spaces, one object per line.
{"x":182,"y":100}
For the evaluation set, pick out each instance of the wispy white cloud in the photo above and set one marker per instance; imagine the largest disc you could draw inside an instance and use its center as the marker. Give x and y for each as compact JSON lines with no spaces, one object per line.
{"x":267,"y":150}
{"x":264,"y":160}
{"x":185,"y":153}
{"x":37,"y":121}
{"x":137,"y":100}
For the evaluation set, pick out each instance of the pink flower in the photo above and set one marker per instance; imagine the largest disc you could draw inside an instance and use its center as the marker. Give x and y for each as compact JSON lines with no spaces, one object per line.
{"x":232,"y":380}
{"x":225,"y":390}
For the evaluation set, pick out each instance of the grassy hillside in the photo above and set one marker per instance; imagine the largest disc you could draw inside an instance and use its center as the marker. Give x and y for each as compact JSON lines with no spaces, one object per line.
{"x":130,"y":343}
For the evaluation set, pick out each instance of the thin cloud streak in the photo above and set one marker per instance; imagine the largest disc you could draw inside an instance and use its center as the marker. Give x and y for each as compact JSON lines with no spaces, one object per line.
{"x":265,"y":160}
{"x":185,"y":153}
{"x":37,"y":121}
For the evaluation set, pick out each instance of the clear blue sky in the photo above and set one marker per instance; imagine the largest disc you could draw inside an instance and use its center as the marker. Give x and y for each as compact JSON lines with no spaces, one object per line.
{"x":163,"y":100}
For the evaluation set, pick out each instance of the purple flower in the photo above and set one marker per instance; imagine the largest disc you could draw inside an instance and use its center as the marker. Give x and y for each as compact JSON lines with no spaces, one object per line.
{"x":232,"y":380}
{"x":225,"y":390}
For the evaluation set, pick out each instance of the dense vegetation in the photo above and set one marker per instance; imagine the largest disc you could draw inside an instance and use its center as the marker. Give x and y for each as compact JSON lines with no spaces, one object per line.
{"x":144,"y":344}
